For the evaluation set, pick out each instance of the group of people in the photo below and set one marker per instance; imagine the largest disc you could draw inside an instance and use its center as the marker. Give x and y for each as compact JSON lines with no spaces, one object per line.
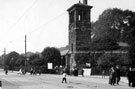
{"x":114,"y":77}
{"x":35,"y":70}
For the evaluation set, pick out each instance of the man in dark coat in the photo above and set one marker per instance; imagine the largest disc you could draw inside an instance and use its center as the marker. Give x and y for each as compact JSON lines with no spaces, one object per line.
{"x":117,"y":74}
{"x":130,"y":76}
{"x":133,"y":76}
{"x":82,"y":71}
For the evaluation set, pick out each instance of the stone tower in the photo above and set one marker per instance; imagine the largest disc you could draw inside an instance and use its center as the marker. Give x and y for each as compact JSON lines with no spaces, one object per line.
{"x":79,"y":31}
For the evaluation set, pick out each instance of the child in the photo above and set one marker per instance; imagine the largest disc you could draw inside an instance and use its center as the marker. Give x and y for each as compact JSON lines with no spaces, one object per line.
{"x":64,"y":77}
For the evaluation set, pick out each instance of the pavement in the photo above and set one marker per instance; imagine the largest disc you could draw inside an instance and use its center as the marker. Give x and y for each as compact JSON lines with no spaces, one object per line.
{"x":123,"y":79}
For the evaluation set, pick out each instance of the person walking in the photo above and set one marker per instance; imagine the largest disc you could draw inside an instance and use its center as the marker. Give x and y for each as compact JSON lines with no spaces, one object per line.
{"x":64,"y":77}
{"x":130,"y":76}
{"x":6,"y":71}
{"x":103,"y":74}
{"x":31,"y":71}
{"x":112,"y":77}
{"x":82,"y":71}
{"x":133,"y":77}
{"x":117,"y":74}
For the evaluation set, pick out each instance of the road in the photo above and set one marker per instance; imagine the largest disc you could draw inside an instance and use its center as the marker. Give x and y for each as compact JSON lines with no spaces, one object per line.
{"x":50,"y":81}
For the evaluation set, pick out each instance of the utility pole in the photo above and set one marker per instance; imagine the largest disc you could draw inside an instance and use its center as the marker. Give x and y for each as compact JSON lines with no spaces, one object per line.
{"x":4,"y":53}
{"x":25,"y":48}
{"x":4,"y":57}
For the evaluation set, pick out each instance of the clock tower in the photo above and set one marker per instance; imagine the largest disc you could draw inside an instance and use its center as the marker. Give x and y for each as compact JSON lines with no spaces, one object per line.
{"x":79,"y":32}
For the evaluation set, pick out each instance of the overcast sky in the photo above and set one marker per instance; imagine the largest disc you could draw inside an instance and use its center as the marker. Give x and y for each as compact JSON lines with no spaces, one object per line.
{"x":45,"y":22}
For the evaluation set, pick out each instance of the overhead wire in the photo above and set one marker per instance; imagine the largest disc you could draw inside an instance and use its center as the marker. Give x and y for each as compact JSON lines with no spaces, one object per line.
{"x":44,"y":24}
{"x":38,"y":28}
{"x":53,"y":19}
{"x":16,"y":22}
{"x":57,"y":17}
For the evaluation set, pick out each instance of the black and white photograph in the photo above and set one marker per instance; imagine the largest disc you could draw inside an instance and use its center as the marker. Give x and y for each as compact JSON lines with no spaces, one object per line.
{"x":67,"y":44}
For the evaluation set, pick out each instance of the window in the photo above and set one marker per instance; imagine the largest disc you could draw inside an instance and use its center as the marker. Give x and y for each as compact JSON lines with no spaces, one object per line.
{"x":79,"y":16}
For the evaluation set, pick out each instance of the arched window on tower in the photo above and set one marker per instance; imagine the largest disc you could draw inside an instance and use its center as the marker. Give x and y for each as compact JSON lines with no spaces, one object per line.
{"x":80,"y":16}
{"x":83,"y":16}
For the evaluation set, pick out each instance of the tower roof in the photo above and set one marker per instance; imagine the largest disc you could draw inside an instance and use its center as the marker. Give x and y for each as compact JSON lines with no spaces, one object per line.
{"x":80,"y":5}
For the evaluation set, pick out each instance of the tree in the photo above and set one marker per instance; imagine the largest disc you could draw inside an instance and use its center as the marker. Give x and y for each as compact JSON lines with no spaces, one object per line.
{"x":132,"y":42}
{"x":11,"y":59}
{"x":20,"y":61}
{"x":35,"y":60}
{"x":51,"y":54}
{"x":104,"y":43}
{"x":118,"y":25}
{"x":113,"y":23}
{"x":2,"y":60}
{"x":108,"y":60}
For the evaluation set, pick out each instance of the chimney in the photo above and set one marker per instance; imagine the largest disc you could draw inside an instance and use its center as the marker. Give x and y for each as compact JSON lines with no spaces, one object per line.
{"x":85,"y":2}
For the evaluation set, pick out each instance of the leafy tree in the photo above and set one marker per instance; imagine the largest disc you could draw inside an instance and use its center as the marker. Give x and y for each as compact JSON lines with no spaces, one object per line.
{"x":20,"y":61}
{"x":118,"y":25}
{"x":113,"y":23}
{"x":108,"y":60}
{"x":104,"y":43}
{"x":51,"y":54}
{"x":35,"y":60}
{"x":2,"y":60}
{"x":132,"y":42}
{"x":11,"y":59}
{"x":131,"y":38}
{"x":82,"y":59}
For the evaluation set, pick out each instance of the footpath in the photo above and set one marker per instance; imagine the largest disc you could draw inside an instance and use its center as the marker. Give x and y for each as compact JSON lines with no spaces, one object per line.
{"x":123,"y":79}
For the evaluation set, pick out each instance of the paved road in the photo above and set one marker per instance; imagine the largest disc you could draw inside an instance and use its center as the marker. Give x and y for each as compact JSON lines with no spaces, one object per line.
{"x":47,"y":81}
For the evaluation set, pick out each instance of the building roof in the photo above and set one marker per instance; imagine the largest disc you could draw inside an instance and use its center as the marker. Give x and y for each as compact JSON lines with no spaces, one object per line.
{"x":64,"y":52}
{"x":79,"y":5}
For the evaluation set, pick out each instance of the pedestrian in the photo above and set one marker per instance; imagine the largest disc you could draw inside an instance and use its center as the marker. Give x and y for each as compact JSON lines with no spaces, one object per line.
{"x":112,"y":77}
{"x":133,"y":76}
{"x":103,"y":74}
{"x":64,"y":77}
{"x":82,"y":71}
{"x":6,"y":71}
{"x":0,"y":84}
{"x":117,"y":74}
{"x":31,"y":71}
{"x":130,"y":76}
{"x":20,"y":72}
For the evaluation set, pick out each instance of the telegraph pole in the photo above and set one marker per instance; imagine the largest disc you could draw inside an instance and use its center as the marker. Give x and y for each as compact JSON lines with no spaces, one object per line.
{"x":25,"y":48}
{"x":4,"y":53}
{"x":4,"y":57}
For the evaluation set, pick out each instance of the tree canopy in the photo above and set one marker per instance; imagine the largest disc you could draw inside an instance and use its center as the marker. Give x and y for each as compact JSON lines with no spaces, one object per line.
{"x":11,"y":59}
{"x":114,"y":24}
{"x":35,"y":59}
{"x":51,"y":54}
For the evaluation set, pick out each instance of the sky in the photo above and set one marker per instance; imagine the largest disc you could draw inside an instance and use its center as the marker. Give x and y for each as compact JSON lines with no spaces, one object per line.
{"x":44,"y":22}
